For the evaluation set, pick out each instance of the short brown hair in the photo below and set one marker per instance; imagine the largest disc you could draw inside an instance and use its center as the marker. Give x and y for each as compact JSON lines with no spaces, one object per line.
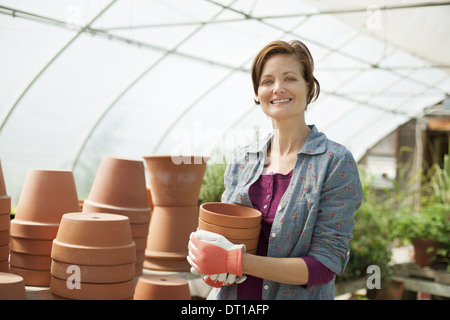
{"x":296,"y":48}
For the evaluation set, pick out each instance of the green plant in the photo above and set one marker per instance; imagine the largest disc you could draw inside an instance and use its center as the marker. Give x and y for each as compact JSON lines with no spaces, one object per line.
{"x":431,"y":222}
{"x":440,"y":181}
{"x":213,"y":185}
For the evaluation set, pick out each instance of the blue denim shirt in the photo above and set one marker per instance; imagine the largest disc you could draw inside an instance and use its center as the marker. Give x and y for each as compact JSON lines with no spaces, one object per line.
{"x":315,"y":215}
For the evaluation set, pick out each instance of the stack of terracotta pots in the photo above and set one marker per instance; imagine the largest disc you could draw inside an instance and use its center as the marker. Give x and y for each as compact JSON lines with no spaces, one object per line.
{"x":93,"y":258}
{"x":175,"y":184}
{"x":120,"y":188}
{"x":12,"y":287}
{"x":5,"y":211}
{"x":46,"y":195}
{"x":239,"y":224}
{"x":162,"y":287}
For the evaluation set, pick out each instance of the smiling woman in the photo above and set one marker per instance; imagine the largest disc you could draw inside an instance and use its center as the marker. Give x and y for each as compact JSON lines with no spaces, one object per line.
{"x":306,"y":186}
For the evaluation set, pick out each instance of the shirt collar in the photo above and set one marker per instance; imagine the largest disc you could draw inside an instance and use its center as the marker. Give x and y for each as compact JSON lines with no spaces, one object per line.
{"x":315,"y":143}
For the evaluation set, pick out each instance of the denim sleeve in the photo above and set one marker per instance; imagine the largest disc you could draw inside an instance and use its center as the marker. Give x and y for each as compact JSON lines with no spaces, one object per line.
{"x":341,"y":196}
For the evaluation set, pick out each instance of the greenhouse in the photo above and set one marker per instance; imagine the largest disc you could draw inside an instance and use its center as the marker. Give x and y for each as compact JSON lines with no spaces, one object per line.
{"x":86,"y":86}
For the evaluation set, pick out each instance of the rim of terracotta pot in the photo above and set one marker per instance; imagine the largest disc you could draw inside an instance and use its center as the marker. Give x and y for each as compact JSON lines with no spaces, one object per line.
{"x":250,"y":244}
{"x":4,"y":252}
{"x":12,"y":287}
{"x":170,"y":228}
{"x":170,"y":265}
{"x":93,"y":291}
{"x":172,"y":183}
{"x":46,"y":195}
{"x":232,"y":233}
{"x":86,"y":255}
{"x":139,"y":230}
{"x":4,"y":266}
{"x":4,"y":237}
{"x":93,"y":274}
{"x":5,"y":204}
{"x":136,"y":215}
{"x":120,"y":182}
{"x":230,"y":215}
{"x":5,"y":222}
{"x":31,"y":246}
{"x":162,"y":287}
{"x":33,"y":230}
{"x":30,"y":261}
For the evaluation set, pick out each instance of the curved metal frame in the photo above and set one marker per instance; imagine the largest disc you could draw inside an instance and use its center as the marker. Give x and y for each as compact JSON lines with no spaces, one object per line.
{"x":48,"y":64}
{"x":167,"y":52}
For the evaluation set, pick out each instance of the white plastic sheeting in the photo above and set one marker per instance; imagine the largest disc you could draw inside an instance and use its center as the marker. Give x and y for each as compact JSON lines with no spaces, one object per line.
{"x":83,"y":79}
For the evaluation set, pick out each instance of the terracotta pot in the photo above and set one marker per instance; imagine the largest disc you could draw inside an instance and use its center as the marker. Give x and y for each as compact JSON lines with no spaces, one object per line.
{"x":94,"y":274}
{"x":175,"y":181}
{"x":230,"y":233}
{"x":120,"y":188}
{"x":94,"y":239}
{"x":168,"y":237}
{"x":120,"y":183}
{"x":392,"y":290}
{"x":32,"y":277}
{"x":421,"y":255}
{"x":230,"y":215}
{"x":46,"y":195}
{"x":12,"y":287}
{"x":93,"y":291}
{"x":161,"y":287}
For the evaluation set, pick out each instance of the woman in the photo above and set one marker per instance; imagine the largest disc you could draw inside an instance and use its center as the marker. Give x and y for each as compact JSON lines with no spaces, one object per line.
{"x":306,"y":186}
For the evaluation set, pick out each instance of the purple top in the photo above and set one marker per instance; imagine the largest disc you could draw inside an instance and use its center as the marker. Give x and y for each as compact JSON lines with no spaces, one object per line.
{"x":265,"y":195}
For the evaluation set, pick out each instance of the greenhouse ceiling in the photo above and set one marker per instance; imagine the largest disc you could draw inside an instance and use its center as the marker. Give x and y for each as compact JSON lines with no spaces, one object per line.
{"x":84,"y":79}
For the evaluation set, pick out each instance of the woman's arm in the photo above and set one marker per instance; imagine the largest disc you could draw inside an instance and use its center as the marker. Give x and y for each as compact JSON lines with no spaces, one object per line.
{"x":283,"y":270}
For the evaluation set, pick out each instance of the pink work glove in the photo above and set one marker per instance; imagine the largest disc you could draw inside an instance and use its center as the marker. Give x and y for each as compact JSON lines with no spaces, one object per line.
{"x":212,"y":254}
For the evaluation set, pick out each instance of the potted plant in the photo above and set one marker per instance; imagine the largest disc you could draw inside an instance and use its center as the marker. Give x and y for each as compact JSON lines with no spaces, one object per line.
{"x":428,"y":227}
{"x":428,"y":230}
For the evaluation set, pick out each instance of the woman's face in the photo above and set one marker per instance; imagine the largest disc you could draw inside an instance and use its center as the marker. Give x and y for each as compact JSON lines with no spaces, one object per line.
{"x":282,"y":90}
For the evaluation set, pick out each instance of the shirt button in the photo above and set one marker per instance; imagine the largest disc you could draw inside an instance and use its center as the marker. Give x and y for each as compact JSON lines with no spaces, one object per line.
{"x":266,"y":287}
{"x":268,"y":196}
{"x":273,"y":234}
{"x":279,"y":208}
{"x":265,"y":206}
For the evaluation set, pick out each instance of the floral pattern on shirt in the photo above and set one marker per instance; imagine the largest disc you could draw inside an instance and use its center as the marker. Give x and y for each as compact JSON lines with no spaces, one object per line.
{"x":314,"y":216}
